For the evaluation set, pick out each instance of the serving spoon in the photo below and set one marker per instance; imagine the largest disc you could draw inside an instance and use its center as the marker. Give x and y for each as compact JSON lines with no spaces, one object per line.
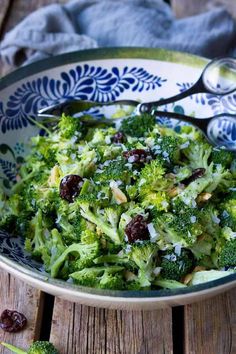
{"x":218,"y":78}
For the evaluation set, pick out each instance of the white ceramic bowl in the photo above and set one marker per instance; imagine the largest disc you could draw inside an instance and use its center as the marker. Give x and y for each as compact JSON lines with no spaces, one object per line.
{"x":99,"y":75}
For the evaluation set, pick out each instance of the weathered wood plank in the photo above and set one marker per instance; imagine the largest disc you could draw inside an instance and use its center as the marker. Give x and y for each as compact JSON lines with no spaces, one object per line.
{"x":4,"y":6}
{"x":210,"y":326}
{"x":184,"y":8}
{"x":15,"y":295}
{"x":14,"y":11}
{"x":100,"y":331}
{"x":21,"y":8}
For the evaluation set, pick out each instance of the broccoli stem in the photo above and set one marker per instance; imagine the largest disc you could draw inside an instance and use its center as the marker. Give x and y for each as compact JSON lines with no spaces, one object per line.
{"x":106,"y":229}
{"x":13,"y":348}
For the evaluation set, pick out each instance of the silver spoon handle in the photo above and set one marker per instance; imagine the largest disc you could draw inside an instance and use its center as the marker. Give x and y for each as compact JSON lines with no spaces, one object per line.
{"x":149,"y":106}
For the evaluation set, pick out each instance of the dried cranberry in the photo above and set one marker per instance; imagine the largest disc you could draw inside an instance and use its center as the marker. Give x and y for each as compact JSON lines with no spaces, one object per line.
{"x":138,"y":156}
{"x":119,"y":138}
{"x":197,"y":173}
{"x":12,"y":321}
{"x":137,"y":229}
{"x":70,"y":187}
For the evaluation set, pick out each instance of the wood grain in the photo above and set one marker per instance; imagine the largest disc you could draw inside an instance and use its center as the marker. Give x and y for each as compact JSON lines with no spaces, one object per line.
{"x":4,"y":6}
{"x":21,"y":8}
{"x":15,"y":295}
{"x":210,"y":326}
{"x":100,"y":331}
{"x":184,"y":8}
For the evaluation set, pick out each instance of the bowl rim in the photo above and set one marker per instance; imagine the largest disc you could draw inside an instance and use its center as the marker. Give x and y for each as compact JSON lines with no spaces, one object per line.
{"x":40,"y":279}
{"x":102,"y":53}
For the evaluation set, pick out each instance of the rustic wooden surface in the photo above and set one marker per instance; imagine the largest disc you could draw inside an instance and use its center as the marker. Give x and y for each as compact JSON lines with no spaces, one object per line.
{"x":184,"y":8}
{"x":15,"y":295}
{"x":210,"y":326}
{"x":207,"y":327}
{"x":92,"y":330}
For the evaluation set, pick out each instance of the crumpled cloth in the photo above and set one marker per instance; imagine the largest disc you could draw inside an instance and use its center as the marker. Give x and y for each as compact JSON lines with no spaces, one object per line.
{"x":84,"y":24}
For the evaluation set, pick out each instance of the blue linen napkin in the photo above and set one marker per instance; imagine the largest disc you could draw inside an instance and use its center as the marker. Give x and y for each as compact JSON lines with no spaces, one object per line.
{"x":83,"y":24}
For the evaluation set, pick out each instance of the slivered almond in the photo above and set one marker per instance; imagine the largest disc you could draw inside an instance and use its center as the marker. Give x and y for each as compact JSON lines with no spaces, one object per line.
{"x":54,"y":176}
{"x":204,"y":197}
{"x":173,"y":192}
{"x":188,"y":278}
{"x":119,"y":196}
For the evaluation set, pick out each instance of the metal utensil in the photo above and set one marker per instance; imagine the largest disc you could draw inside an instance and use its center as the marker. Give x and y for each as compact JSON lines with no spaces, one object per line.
{"x":218,"y":77}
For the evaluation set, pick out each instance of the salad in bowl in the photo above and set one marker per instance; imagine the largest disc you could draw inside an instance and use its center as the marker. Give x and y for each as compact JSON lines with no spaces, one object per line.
{"x":135,"y":207}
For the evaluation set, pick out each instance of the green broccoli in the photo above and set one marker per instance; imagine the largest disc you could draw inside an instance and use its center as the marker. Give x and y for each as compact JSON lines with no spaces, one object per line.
{"x":198,"y":154}
{"x":144,"y":255}
{"x":227,"y":256}
{"x":70,"y":127}
{"x":106,"y":219}
{"x":70,"y":222}
{"x":88,"y":236}
{"x":182,"y":227}
{"x":221,"y":156}
{"x":175,"y":266}
{"x":138,"y":126}
{"x":93,"y":276}
{"x":113,"y":170}
{"x":82,"y":254}
{"x":83,"y":164}
{"x":112,"y":281}
{"x":228,"y":211}
{"x":169,"y":283}
{"x":153,"y":186}
{"x":38,"y":347}
{"x":167,"y":149}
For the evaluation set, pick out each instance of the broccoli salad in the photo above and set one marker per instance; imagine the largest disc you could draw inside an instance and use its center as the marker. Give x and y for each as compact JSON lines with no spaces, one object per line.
{"x":136,"y":207}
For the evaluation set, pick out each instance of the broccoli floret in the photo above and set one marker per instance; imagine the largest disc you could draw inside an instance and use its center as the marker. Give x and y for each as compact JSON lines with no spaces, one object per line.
{"x":180,"y":227}
{"x":83,"y":164}
{"x":191,"y":192}
{"x":210,"y":219}
{"x":227,"y":256}
{"x":113,"y":170}
{"x":106,"y":220}
{"x":89,"y":236}
{"x":70,"y":127}
{"x":70,"y":222}
{"x":198,"y":154}
{"x":228,"y":211}
{"x":36,"y":244}
{"x":221,"y":156}
{"x":83,"y":255}
{"x":38,"y":347}
{"x":153,"y":186}
{"x":112,"y":281}
{"x":138,"y":126}
{"x":144,"y":256}
{"x":175,"y":266}
{"x":167,"y":149}
{"x":92,"y":276}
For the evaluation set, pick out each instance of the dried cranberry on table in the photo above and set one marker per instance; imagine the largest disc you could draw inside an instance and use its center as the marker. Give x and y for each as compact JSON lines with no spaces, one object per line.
{"x":138,"y":156}
{"x":70,"y":187}
{"x":119,"y":138}
{"x":12,"y":321}
{"x":137,"y":229}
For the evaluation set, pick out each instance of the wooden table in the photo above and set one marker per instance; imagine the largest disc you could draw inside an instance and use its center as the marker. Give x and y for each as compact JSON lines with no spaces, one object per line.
{"x":207,"y":327}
